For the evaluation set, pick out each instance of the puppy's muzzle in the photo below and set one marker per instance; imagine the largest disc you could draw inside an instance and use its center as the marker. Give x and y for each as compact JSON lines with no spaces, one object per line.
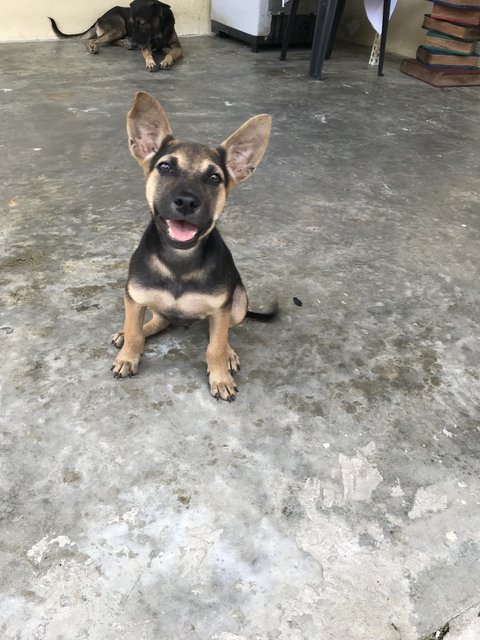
{"x":185,"y":218}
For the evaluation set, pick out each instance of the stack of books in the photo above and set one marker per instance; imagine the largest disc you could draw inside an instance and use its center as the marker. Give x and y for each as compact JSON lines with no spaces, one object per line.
{"x":448,"y":56}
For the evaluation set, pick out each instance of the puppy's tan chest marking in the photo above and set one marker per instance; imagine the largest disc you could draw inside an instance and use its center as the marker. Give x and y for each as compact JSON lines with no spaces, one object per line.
{"x":192,"y":305}
{"x":159,"y":268}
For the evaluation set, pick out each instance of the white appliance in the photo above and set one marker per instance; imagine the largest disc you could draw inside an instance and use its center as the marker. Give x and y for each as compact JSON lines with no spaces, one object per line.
{"x":255,"y":21}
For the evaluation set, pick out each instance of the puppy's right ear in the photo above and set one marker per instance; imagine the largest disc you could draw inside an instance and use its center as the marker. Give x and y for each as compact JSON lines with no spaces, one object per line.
{"x":147,"y":127}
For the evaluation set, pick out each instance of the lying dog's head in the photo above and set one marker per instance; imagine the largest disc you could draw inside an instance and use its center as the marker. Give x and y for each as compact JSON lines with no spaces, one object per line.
{"x":144,"y":19}
{"x":187,"y":182}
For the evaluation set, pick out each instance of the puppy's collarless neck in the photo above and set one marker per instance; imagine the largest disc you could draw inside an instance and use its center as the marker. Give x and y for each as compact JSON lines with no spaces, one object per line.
{"x":179,"y":260}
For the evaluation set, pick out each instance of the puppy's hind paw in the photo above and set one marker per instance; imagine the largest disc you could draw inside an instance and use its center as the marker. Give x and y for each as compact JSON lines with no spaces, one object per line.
{"x":118,"y":339}
{"x":233,"y":361}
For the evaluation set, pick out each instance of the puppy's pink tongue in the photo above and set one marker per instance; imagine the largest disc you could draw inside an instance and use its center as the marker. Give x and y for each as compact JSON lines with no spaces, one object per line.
{"x":181,"y":230}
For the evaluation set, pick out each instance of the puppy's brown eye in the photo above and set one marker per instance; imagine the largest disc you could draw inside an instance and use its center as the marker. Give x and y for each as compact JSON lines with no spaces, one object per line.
{"x":165,"y":168}
{"x":214,"y":179}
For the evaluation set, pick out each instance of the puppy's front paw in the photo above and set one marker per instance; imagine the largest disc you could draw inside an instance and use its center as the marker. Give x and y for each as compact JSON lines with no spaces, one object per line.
{"x":222,"y":385}
{"x":125,"y":365}
{"x":151,"y":65}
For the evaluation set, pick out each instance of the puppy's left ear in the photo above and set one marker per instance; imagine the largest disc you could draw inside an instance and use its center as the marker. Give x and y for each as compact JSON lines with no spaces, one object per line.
{"x":245,"y":148}
{"x":147,"y":127}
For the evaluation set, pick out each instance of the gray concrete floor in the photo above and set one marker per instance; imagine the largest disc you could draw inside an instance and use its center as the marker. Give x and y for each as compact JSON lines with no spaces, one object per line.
{"x":339,"y":496}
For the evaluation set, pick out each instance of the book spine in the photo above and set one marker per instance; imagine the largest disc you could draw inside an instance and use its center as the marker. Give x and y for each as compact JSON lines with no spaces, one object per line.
{"x":449,"y":28}
{"x":446,"y":59}
{"x":435,"y":47}
{"x":459,"y":16}
{"x":460,"y":5}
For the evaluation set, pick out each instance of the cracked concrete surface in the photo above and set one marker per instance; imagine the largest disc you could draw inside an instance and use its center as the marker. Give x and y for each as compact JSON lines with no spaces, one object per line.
{"x":339,"y":496}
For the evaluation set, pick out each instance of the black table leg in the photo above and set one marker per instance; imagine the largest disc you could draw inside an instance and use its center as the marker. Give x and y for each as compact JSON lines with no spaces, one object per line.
{"x":323,"y":29}
{"x":288,"y":32}
{"x":383,"y":36}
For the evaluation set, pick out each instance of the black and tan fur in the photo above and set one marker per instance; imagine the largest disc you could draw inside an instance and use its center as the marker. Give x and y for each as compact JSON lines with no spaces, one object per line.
{"x":182,"y":270}
{"x":146,"y":24}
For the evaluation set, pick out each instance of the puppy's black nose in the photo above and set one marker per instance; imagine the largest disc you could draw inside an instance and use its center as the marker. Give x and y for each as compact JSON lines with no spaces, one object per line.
{"x":186,"y":204}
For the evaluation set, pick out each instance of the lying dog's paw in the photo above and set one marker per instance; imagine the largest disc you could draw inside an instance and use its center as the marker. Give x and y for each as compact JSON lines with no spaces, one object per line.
{"x":166,"y":64}
{"x":222,"y":385}
{"x":125,"y":365}
{"x":91,"y":46}
{"x":151,"y":65}
{"x":118,"y":339}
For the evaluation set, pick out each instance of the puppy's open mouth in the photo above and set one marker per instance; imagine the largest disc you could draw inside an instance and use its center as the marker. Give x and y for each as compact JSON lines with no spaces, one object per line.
{"x":181,"y":230}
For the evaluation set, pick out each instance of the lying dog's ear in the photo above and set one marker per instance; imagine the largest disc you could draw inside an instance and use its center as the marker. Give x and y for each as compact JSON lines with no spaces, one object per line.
{"x":245,"y":148}
{"x":139,"y":3}
{"x":147,"y":127}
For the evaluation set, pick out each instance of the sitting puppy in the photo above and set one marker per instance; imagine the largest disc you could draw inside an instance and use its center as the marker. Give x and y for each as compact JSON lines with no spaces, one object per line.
{"x":146,"y":24}
{"x":182,"y":270}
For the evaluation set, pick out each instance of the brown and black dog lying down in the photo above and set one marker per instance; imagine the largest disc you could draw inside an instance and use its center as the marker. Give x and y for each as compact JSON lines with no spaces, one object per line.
{"x":182,"y":270}
{"x":146,"y":24}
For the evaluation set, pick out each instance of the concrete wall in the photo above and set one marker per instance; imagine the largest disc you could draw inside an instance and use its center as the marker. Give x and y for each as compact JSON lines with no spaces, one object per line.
{"x":27,"y":19}
{"x":405,"y":32}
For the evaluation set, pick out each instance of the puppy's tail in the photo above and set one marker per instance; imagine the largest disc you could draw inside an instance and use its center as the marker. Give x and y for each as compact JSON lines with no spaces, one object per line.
{"x":268,"y":316}
{"x":89,"y":33}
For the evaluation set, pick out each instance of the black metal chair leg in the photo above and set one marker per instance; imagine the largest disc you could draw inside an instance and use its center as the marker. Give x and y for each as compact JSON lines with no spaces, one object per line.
{"x":336,"y":22}
{"x":383,"y":36}
{"x":323,"y":29}
{"x":289,"y":30}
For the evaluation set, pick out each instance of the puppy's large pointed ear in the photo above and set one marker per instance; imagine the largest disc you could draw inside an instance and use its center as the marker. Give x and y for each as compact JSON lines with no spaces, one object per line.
{"x":147,"y":127}
{"x":245,"y":148}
